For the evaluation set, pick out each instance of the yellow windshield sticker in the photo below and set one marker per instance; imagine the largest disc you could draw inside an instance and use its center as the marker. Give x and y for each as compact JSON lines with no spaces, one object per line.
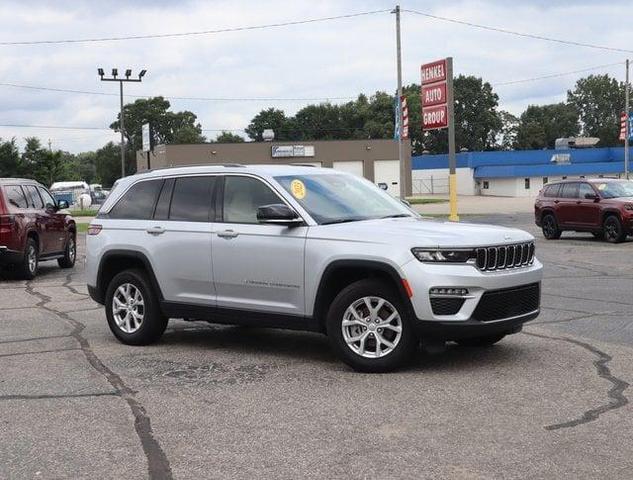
{"x":298,"y":189}
{"x":602,"y":186}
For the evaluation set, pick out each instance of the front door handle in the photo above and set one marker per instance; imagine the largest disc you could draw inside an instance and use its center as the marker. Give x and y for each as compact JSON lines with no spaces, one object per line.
{"x":228,"y":234}
{"x":155,"y":230}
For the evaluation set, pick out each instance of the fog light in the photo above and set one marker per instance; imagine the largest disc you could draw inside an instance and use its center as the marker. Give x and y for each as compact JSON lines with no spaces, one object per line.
{"x":450,"y":291}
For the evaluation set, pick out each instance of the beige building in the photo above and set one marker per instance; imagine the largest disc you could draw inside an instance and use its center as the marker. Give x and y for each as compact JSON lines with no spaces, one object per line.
{"x":376,"y":160}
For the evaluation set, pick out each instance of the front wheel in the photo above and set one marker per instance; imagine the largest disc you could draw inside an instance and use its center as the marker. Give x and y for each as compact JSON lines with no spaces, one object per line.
{"x":132,"y":309}
{"x":369,"y":327}
{"x":613,"y":230}
{"x":550,"y":227}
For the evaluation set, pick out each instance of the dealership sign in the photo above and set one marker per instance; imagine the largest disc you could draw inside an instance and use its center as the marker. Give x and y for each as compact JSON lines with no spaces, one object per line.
{"x":434,"y":95}
{"x":289,"y":151}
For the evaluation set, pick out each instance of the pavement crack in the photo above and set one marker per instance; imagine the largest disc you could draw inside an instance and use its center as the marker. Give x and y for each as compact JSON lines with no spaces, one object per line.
{"x":33,"y":339}
{"x":157,"y":462}
{"x":53,"y":396}
{"x":16,"y":354}
{"x":615,"y":393}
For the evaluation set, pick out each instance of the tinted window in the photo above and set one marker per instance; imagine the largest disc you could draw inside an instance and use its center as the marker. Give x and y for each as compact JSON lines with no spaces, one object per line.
{"x":15,"y":196}
{"x":138,"y":202}
{"x":584,"y":189}
{"x":552,"y":190}
{"x":34,"y":199}
{"x":49,"y":201}
{"x":162,"y":207}
{"x":243,"y":196}
{"x":569,"y":190}
{"x":191,"y":200}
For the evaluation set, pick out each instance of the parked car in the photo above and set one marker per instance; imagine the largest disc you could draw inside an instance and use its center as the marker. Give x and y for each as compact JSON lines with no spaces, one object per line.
{"x":33,"y":228}
{"x":601,"y":206}
{"x":303,"y":248}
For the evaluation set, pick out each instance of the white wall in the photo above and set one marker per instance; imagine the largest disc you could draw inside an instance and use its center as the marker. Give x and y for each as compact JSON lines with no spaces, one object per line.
{"x":437,"y":180}
{"x":512,"y":187}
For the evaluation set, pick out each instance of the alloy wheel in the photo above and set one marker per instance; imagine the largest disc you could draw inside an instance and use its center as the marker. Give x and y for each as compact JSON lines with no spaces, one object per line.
{"x":72,"y":250}
{"x":128,"y":308}
{"x":371,"y":327}
{"x":31,"y":257}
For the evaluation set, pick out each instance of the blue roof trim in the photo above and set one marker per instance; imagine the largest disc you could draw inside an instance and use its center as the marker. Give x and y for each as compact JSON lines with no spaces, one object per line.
{"x":526,"y":158}
{"x":552,"y":170}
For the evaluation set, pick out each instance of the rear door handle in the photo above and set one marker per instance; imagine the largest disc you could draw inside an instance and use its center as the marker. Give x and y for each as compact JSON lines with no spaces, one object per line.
{"x":228,"y":234}
{"x":155,"y":230}
{"x":556,"y":201}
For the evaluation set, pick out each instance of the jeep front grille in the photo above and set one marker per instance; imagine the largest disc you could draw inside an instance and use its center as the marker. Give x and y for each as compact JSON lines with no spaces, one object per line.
{"x":505,"y":256}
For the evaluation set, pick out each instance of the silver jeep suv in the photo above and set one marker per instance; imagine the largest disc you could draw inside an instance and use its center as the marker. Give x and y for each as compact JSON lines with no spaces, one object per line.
{"x":303,"y":248}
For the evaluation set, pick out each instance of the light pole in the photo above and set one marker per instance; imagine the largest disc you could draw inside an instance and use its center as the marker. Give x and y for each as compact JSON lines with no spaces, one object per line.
{"x":115,"y":78}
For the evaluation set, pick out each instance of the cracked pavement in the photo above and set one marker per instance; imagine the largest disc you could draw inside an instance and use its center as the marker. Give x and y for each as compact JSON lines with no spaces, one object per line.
{"x":231,"y":402}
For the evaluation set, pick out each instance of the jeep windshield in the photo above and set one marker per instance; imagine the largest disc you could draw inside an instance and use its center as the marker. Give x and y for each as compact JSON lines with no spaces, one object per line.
{"x":339,"y":198}
{"x":616,"y":189}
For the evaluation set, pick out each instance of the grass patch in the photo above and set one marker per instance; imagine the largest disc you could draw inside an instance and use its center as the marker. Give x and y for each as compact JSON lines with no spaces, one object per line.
{"x":83,"y":213}
{"x":82,"y":227}
{"x":424,"y":201}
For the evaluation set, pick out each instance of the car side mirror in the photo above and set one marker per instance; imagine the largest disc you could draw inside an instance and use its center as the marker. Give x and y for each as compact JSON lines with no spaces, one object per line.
{"x":62,"y":205}
{"x":592,"y":196}
{"x":279,"y":214}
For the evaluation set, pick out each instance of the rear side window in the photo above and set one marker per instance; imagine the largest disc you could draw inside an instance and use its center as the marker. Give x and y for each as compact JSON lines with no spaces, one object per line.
{"x":192,"y":199}
{"x":138,"y":202}
{"x":569,"y":190}
{"x":552,"y":190}
{"x":33,"y":197}
{"x":15,"y":196}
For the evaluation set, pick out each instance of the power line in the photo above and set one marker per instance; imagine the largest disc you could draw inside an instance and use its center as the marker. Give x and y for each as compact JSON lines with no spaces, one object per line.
{"x":556,"y":75}
{"x":173,"y":97}
{"x":519,"y":34}
{"x":186,"y":34}
{"x":52,"y":127}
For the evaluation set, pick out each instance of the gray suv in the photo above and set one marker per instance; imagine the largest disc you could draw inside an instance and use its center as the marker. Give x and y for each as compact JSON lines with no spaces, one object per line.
{"x":303,"y":248}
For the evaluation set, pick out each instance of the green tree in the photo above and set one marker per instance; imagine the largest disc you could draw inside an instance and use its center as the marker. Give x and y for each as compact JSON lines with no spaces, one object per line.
{"x":507,"y":137}
{"x":271,"y":118}
{"x":167,"y":127}
{"x":108,"y":164}
{"x":599,"y":100}
{"x":228,"y":137}
{"x":52,"y":167}
{"x":32,"y":157}
{"x":10,"y":162}
{"x":541,"y":125}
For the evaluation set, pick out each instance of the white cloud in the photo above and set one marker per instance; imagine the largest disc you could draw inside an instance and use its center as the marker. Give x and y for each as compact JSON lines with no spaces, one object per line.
{"x":332,"y":59}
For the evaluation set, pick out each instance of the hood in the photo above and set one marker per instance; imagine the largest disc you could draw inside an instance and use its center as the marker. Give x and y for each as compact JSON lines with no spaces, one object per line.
{"x":416,"y":232}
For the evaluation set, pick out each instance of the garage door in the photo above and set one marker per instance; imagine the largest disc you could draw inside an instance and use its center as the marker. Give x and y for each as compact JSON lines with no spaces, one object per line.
{"x":354,"y":167}
{"x":388,"y":171}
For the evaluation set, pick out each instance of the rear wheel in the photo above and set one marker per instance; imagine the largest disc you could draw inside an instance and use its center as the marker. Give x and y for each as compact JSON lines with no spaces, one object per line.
{"x":486,"y":341}
{"x":70,"y":253}
{"x":598,"y":235}
{"x":132,"y":309}
{"x":613,"y":230}
{"x":550,"y":227}
{"x":369,"y":327}
{"x":27,"y":269}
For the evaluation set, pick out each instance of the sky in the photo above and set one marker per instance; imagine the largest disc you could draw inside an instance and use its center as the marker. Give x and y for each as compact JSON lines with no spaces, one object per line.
{"x":334,"y":60}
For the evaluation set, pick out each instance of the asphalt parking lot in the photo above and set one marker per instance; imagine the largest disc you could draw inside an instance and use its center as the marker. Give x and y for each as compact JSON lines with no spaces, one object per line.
{"x":230,"y":402}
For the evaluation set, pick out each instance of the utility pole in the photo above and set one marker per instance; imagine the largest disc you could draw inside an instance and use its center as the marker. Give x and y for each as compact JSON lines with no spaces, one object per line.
{"x":402,"y":165}
{"x":50,"y":148}
{"x":452,"y":160}
{"x":127,"y":78}
{"x":627,"y":129}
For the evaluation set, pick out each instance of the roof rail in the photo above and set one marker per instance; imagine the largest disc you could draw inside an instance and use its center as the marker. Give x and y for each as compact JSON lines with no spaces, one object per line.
{"x":228,"y":165}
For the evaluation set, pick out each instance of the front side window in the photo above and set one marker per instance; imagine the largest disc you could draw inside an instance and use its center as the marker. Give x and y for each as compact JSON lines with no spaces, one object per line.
{"x":552,"y":190}
{"x":191,"y":200}
{"x":49,"y":201}
{"x":33,"y":197}
{"x":616,"y":189}
{"x":339,"y":198}
{"x":138,"y":202}
{"x":243,"y":196}
{"x":15,"y":196}
{"x":584,"y":189}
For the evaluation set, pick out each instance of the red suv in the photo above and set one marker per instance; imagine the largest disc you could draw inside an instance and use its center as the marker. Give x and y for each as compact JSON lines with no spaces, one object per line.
{"x":32,"y":228}
{"x":601,"y":206}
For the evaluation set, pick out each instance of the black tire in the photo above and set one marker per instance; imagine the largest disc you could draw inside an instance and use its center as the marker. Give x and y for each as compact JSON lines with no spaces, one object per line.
{"x":406,"y":344}
{"x":613,"y":230}
{"x":153,"y":322}
{"x":487,"y":341}
{"x":70,"y":253}
{"x":27,"y":269}
{"x":550,"y":228}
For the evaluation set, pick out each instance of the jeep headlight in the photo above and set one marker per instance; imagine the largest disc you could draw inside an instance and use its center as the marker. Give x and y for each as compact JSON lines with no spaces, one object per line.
{"x":428,"y":255}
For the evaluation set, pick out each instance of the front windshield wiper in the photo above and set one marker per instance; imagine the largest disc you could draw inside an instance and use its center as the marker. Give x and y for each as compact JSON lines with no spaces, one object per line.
{"x":344,"y":220}
{"x":397,"y":215}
